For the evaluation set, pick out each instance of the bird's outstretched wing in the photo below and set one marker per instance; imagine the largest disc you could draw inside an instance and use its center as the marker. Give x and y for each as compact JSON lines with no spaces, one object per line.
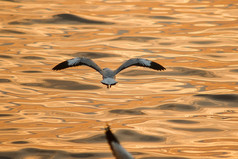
{"x":118,"y":151}
{"x":77,"y":61}
{"x":140,"y":62}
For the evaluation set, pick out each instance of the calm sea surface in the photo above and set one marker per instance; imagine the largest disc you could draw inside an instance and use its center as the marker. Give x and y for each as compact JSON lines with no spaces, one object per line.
{"x":188,"y":111}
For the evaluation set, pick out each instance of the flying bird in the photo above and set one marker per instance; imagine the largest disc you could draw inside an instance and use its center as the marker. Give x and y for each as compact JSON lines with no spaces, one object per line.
{"x":108,"y":75}
{"x":118,"y":151}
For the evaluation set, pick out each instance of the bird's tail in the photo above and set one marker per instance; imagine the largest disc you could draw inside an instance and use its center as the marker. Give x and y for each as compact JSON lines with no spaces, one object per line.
{"x":109,"y":81}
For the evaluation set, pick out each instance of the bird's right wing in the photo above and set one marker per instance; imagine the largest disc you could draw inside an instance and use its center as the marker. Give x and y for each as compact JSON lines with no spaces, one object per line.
{"x":78,"y":61}
{"x":139,"y":62}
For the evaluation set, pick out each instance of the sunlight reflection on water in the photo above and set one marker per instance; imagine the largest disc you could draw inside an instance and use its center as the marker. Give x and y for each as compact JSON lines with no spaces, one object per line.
{"x":188,"y":111}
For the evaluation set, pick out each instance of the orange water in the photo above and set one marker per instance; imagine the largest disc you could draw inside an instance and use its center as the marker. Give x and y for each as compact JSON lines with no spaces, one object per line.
{"x":189,"y":111}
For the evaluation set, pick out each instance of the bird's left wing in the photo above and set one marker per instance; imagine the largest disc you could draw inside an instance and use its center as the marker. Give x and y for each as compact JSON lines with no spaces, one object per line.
{"x":139,"y":62}
{"x":77,"y":61}
{"x":118,"y":151}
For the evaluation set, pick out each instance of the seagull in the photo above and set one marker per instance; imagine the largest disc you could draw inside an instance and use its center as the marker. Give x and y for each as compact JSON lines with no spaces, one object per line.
{"x":118,"y":151}
{"x":108,"y":75}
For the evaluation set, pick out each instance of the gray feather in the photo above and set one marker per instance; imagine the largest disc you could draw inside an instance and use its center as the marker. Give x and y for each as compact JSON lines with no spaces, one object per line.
{"x":139,"y":62}
{"x":78,"y":61}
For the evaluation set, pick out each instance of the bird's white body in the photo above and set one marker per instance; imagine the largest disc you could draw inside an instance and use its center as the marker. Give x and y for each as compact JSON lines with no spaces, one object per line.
{"x":108,"y":75}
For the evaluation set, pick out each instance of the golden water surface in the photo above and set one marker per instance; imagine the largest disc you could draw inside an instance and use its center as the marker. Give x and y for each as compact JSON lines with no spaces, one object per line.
{"x":188,"y":111}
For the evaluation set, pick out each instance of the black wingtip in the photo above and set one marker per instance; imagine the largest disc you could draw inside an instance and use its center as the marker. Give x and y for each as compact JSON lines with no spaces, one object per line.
{"x":157,"y":66}
{"x":61,"y":66}
{"x":109,"y":135}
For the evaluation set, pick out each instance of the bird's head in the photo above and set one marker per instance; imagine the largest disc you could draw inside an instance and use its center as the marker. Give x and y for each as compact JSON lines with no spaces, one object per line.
{"x":105,"y":69}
